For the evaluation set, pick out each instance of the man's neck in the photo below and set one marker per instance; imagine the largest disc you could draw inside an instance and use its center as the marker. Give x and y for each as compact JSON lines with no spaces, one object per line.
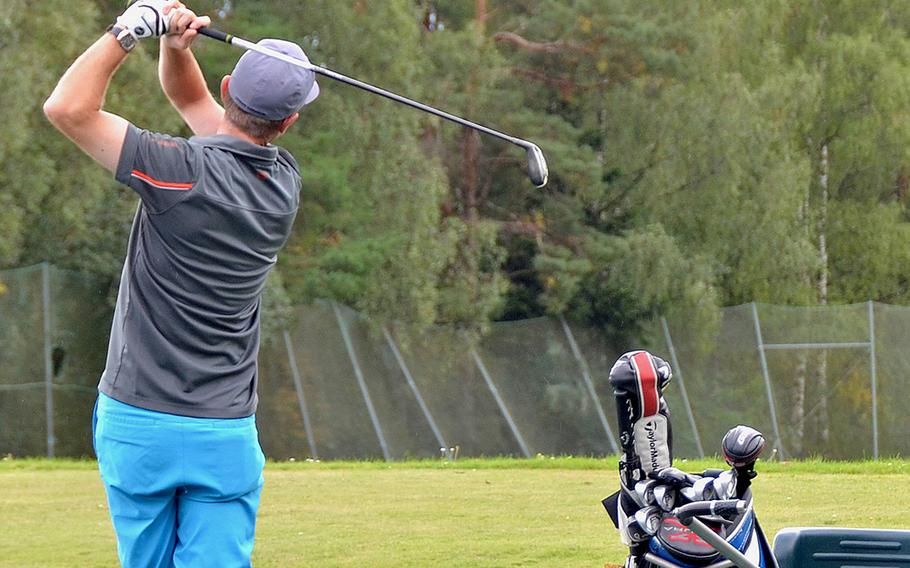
{"x":226,"y":127}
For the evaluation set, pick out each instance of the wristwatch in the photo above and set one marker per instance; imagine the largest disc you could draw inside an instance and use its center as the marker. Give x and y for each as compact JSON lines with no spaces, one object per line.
{"x":124,"y":36}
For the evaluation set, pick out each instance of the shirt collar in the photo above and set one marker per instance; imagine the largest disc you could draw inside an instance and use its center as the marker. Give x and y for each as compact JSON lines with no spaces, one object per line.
{"x":238,"y":146}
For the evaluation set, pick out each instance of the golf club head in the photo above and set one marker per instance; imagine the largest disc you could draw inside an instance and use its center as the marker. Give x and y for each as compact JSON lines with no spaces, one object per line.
{"x":665,"y":497}
{"x":688,"y":493}
{"x":537,"y":165}
{"x":724,"y":485}
{"x":635,"y":530}
{"x":648,"y":519}
{"x":704,"y":489}
{"x":742,"y":445}
{"x":675,"y":477}
{"x":644,"y":492}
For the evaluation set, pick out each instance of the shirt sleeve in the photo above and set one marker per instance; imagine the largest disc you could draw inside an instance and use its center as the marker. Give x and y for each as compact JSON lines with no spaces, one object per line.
{"x":162,"y":169}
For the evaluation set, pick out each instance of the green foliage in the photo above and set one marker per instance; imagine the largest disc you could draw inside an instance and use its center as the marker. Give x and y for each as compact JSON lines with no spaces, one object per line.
{"x":60,"y":206}
{"x":689,"y":134}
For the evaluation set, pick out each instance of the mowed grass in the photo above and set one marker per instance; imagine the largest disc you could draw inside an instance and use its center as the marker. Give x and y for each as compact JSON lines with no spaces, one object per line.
{"x":484,"y":513}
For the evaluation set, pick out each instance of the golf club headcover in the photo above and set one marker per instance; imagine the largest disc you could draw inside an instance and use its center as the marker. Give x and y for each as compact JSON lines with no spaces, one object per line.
{"x":742,"y":445}
{"x":638,"y":379}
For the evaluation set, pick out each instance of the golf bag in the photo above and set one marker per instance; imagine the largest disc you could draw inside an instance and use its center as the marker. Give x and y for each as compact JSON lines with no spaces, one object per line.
{"x":645,"y":511}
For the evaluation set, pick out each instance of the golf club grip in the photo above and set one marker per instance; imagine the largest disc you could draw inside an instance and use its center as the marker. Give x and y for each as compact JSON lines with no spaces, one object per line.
{"x":725,"y":508}
{"x":216,"y":34}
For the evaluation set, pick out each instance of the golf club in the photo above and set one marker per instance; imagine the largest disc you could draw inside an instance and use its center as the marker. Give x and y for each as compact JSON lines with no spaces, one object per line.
{"x":741,"y":447}
{"x":675,"y":477}
{"x":665,"y":497}
{"x":649,"y":519}
{"x":725,"y":485}
{"x":537,"y":164}
{"x":704,"y":489}
{"x":644,"y":492}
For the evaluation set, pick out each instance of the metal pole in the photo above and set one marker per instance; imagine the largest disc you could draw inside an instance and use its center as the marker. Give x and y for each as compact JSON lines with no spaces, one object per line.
{"x":721,"y":545}
{"x":349,"y":345}
{"x":298,"y":386}
{"x":589,"y":384}
{"x":500,"y":403}
{"x":819,"y":346}
{"x":415,"y":391}
{"x":764,"y":370}
{"x":48,"y":364}
{"x":874,"y":373}
{"x":682,"y":386}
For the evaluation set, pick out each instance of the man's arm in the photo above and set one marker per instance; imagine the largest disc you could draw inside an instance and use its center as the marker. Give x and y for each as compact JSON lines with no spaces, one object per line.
{"x":74,"y":107}
{"x":182,"y":79}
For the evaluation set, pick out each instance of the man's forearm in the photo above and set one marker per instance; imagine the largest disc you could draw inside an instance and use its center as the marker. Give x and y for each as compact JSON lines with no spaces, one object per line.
{"x":181,"y":78}
{"x":183,"y":83}
{"x":75,"y":106}
{"x":80,"y":93}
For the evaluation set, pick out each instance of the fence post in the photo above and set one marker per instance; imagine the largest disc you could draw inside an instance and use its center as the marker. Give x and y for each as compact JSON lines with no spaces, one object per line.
{"x":502,"y":405}
{"x":298,"y":386}
{"x":374,"y":418}
{"x":764,"y":369}
{"x":48,"y":364}
{"x":589,"y":384}
{"x":874,"y":373}
{"x":416,"y":392}
{"x":682,"y":387}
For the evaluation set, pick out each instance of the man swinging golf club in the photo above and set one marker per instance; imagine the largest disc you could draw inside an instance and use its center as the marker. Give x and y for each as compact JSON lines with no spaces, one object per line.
{"x":174,"y":425}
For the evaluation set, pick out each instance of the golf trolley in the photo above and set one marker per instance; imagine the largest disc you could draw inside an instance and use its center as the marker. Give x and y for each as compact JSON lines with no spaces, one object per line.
{"x":672,"y":519}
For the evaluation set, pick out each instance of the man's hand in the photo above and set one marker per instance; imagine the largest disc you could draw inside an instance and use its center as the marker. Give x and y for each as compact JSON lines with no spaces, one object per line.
{"x":184,"y":24}
{"x":147,"y":18}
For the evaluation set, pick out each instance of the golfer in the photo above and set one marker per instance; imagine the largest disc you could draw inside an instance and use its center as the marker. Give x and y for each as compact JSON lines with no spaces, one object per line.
{"x":174,"y":424}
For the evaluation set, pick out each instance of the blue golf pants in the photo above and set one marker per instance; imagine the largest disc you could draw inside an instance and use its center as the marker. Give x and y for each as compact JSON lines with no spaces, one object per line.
{"x":183,"y":492}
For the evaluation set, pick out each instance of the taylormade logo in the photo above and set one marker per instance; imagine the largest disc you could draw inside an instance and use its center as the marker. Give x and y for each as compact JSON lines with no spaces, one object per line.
{"x":652,"y":444}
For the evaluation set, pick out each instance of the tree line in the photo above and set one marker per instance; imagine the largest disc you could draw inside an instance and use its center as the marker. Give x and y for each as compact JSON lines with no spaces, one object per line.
{"x":702,"y":153}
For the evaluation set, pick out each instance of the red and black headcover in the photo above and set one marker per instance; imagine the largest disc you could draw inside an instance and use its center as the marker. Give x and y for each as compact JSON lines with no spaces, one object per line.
{"x":638,"y":379}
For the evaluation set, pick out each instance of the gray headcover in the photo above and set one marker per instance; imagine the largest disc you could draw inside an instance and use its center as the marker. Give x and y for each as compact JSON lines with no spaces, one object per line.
{"x":652,"y":443}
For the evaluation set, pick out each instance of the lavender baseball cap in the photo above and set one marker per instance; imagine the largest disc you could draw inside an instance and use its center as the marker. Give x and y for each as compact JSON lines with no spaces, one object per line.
{"x":270,"y":88}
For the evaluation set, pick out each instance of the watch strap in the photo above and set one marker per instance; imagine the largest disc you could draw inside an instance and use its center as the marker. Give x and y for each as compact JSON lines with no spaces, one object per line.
{"x":124,"y":36}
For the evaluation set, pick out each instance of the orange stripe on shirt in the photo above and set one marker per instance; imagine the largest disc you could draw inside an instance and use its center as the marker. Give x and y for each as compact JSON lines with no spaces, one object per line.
{"x":161,"y":184}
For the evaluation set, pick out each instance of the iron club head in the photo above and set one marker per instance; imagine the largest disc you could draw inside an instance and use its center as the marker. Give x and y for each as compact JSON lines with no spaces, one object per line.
{"x":704,"y":489}
{"x":649,"y":519}
{"x":725,"y":485}
{"x":537,"y":166}
{"x":644,"y":492}
{"x":665,"y":497}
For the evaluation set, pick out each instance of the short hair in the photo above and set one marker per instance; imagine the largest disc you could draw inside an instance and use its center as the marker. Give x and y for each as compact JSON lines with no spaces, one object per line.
{"x":258,"y":128}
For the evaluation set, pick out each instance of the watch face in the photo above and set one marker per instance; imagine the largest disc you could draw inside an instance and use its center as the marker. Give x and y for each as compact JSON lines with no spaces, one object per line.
{"x":127,"y":41}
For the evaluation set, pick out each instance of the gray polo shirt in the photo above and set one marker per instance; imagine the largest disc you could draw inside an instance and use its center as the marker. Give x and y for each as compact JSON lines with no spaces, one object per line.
{"x":214,"y":213}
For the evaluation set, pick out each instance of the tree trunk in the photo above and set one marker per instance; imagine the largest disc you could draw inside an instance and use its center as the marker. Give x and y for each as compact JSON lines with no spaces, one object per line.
{"x":822,"y":228}
{"x":822,"y":367}
{"x":470,"y":179}
{"x":481,"y":11}
{"x":798,"y":410}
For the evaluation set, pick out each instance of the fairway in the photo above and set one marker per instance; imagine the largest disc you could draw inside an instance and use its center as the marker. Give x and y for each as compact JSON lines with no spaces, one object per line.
{"x":542,"y":512}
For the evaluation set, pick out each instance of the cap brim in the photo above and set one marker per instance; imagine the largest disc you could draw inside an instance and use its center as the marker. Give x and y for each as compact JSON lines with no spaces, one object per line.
{"x":314,"y":92}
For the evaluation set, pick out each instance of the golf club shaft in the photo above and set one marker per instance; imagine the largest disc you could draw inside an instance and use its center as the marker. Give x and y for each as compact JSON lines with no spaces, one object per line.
{"x":721,"y":545}
{"x":244,"y":44}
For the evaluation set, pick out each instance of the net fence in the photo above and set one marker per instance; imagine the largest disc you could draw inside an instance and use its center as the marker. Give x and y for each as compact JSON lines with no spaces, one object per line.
{"x":818,"y":381}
